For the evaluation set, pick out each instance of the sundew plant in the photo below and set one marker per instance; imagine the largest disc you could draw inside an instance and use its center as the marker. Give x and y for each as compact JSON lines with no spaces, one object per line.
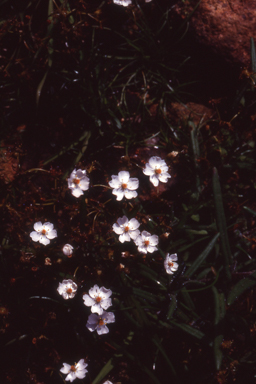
{"x":127,"y":234}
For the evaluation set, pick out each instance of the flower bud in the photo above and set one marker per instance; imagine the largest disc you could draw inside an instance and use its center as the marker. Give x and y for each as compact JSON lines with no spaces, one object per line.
{"x":67,"y":249}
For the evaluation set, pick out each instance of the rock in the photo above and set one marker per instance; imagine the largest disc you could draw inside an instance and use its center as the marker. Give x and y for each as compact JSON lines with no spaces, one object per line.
{"x":224,"y":25}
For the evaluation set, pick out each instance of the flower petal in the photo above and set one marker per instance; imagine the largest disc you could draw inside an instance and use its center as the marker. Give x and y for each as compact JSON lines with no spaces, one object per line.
{"x":164,"y":177}
{"x":134,"y":224}
{"x":91,"y":327}
{"x":81,"y":365}
{"x":154,"y":180}
{"x":35,"y":236}
{"x":77,"y":192}
{"x":48,"y":226}
{"x":105,"y":293}
{"x":134,"y":234}
{"x":94,"y":291}
{"x":133,"y":183}
{"x":145,"y":235}
{"x":117,"y":229}
{"x":119,"y":193}
{"x":106,"y":303}
{"x":52,"y":234}
{"x":142,"y":249}
{"x":124,"y":176}
{"x":103,"y":329}
{"x":154,"y":240}
{"x":38,"y":226}
{"x":151,"y":249}
{"x":109,"y":317}
{"x":93,"y":319}
{"x":88,"y":301}
{"x":43,"y":240}
{"x":96,"y":308}
{"x":84,"y":184}
{"x":122,"y":221}
{"x":81,"y":374}
{"x":148,"y":170}
{"x":80,"y":174}
{"x":115,"y":182}
{"x":130,"y":194}
{"x":71,"y":376}
{"x":156,"y":162}
{"x":65,"y":369}
{"x":124,"y":237}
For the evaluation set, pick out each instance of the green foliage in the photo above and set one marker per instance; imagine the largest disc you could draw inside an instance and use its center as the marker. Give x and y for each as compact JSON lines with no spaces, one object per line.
{"x":91,"y":85}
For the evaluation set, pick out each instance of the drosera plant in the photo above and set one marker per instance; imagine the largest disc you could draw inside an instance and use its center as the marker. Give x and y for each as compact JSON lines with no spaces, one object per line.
{"x":195,"y":324}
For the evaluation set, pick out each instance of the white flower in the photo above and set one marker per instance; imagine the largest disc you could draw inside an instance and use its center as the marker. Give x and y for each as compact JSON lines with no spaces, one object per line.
{"x":99,"y":322}
{"x":43,"y":233}
{"x":156,"y":169}
{"x":67,"y":249}
{"x":74,"y":371}
{"x":126,"y":229}
{"x":124,"y":3}
{"x":107,"y":382}
{"x":67,"y":289}
{"x":124,"y":185}
{"x":78,"y":182}
{"x":169,"y":263}
{"x":98,"y":299}
{"x":146,"y":242}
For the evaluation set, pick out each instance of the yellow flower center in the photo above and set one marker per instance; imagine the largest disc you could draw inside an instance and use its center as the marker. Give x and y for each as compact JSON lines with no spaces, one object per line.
{"x":170,"y":264}
{"x":124,"y":186}
{"x":69,"y":290}
{"x":76,"y":181}
{"x":126,"y":229}
{"x":98,"y":299}
{"x":146,"y":242}
{"x":72,"y":368}
{"x":101,"y":322}
{"x":44,"y":231}
{"x":158,"y":171}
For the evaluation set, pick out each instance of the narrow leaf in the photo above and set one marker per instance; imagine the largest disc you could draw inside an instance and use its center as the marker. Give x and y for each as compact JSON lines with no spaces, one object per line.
{"x":190,"y":330}
{"x":241,"y":287}
{"x":253,"y":55}
{"x":104,"y":372}
{"x":249,"y":210}
{"x":192,"y":269}
{"x":221,"y":222}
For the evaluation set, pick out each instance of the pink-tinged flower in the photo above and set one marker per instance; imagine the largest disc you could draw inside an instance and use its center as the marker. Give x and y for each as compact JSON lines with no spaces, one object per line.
{"x":67,"y":289}
{"x":157,"y":170}
{"x":124,"y":3}
{"x":99,"y":322}
{"x":67,"y":249}
{"x":43,"y":233}
{"x":146,"y":242}
{"x":98,"y":299}
{"x":78,"y":182}
{"x":74,"y":371}
{"x":123,"y":185}
{"x":170,"y":263}
{"x":126,"y":229}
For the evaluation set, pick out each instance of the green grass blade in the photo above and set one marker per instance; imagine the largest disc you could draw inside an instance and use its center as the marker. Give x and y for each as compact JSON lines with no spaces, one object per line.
{"x":241,"y":287}
{"x":220,"y":311}
{"x":193,"y":268}
{"x":253,"y":55}
{"x":172,"y":307}
{"x":249,"y":210}
{"x":104,"y":372}
{"x":158,"y":344}
{"x":190,"y":330}
{"x":221,"y":222}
